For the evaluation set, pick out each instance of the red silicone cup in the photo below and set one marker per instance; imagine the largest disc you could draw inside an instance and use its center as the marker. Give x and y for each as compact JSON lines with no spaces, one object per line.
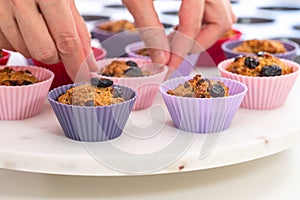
{"x":214,"y":55}
{"x":4,"y":59}
{"x":61,"y":76}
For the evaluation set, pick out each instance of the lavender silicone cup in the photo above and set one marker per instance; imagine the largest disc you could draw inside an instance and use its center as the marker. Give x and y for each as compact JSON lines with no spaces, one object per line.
{"x":114,"y":43}
{"x":290,"y":46}
{"x":203,"y":115}
{"x":184,"y":69}
{"x":91,"y":124}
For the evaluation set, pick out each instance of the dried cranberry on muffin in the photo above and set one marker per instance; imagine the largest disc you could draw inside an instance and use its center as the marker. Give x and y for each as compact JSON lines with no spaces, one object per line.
{"x":264,"y":64}
{"x":119,"y":68}
{"x":117,"y":26}
{"x":256,"y":46}
{"x":199,"y":87}
{"x":10,"y":77}
{"x":100,"y":92}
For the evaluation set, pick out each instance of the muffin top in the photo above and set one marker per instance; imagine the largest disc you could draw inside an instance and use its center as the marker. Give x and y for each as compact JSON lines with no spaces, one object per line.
{"x":143,"y":52}
{"x":100,"y":92}
{"x":256,"y":46}
{"x":10,"y":77}
{"x":119,"y":68}
{"x":199,"y":87}
{"x":264,"y":64}
{"x":228,"y":34}
{"x":117,"y":26}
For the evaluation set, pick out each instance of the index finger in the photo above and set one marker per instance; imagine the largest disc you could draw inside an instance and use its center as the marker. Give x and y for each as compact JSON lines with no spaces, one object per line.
{"x":190,"y":17}
{"x":60,"y":21}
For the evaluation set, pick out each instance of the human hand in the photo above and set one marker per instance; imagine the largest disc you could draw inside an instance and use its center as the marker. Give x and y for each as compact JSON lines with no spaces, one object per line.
{"x":201,"y":24}
{"x":46,"y":30}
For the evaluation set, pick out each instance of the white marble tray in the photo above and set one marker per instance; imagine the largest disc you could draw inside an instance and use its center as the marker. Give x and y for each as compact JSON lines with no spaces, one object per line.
{"x":150,"y":144}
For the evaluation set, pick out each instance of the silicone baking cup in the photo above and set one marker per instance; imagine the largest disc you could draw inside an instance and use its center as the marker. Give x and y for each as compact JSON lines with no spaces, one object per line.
{"x":5,"y":57}
{"x":145,"y":86}
{"x":113,"y":42}
{"x":203,"y":115}
{"x":264,"y":92}
{"x":94,"y":123}
{"x":61,"y":76}
{"x":290,"y":46}
{"x":21,"y":102}
{"x":184,"y":69}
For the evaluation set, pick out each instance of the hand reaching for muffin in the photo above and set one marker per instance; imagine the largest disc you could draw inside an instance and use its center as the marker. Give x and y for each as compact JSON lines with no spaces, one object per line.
{"x":201,"y":24}
{"x":48,"y":31}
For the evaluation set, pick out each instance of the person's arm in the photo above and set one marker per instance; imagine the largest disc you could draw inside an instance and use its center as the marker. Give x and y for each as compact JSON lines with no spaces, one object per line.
{"x":46,"y":30}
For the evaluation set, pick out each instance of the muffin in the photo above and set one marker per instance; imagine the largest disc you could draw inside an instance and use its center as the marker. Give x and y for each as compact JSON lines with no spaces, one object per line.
{"x":23,"y":90}
{"x":214,"y":55}
{"x":138,"y":50}
{"x":93,"y":111}
{"x":61,"y":76}
{"x":117,"y":26}
{"x":202,"y":104}
{"x":4,"y":57}
{"x":99,"y":93}
{"x":11,"y":77}
{"x":199,"y":87}
{"x":280,"y":48}
{"x":115,"y":35}
{"x":269,"y":79}
{"x":256,"y":46}
{"x":264,"y":64}
{"x":146,"y":85}
{"x":123,"y":68}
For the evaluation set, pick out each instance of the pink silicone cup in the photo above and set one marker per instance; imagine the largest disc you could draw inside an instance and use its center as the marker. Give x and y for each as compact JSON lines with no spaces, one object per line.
{"x":264,"y":92}
{"x":184,"y":69}
{"x":203,"y":115}
{"x":146,"y":87}
{"x":21,"y":102}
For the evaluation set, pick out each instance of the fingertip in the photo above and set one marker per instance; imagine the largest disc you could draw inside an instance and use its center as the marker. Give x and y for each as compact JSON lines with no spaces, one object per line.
{"x":159,"y":56}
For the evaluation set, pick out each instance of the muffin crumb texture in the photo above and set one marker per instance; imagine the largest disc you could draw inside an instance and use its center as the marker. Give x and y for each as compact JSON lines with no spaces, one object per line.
{"x":99,"y":93}
{"x":118,"y":68}
{"x":256,"y":46}
{"x":263,"y":64}
{"x":11,"y":77}
{"x":117,"y":26}
{"x":199,"y":87}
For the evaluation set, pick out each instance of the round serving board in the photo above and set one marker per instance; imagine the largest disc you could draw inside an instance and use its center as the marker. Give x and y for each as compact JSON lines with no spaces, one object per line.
{"x":150,"y":144}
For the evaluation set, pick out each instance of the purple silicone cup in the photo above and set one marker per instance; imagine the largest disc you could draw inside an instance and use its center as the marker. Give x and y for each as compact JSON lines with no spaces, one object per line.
{"x":184,"y":69}
{"x":92,"y":124}
{"x":290,"y":46}
{"x":203,"y":115}
{"x":114,"y":43}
